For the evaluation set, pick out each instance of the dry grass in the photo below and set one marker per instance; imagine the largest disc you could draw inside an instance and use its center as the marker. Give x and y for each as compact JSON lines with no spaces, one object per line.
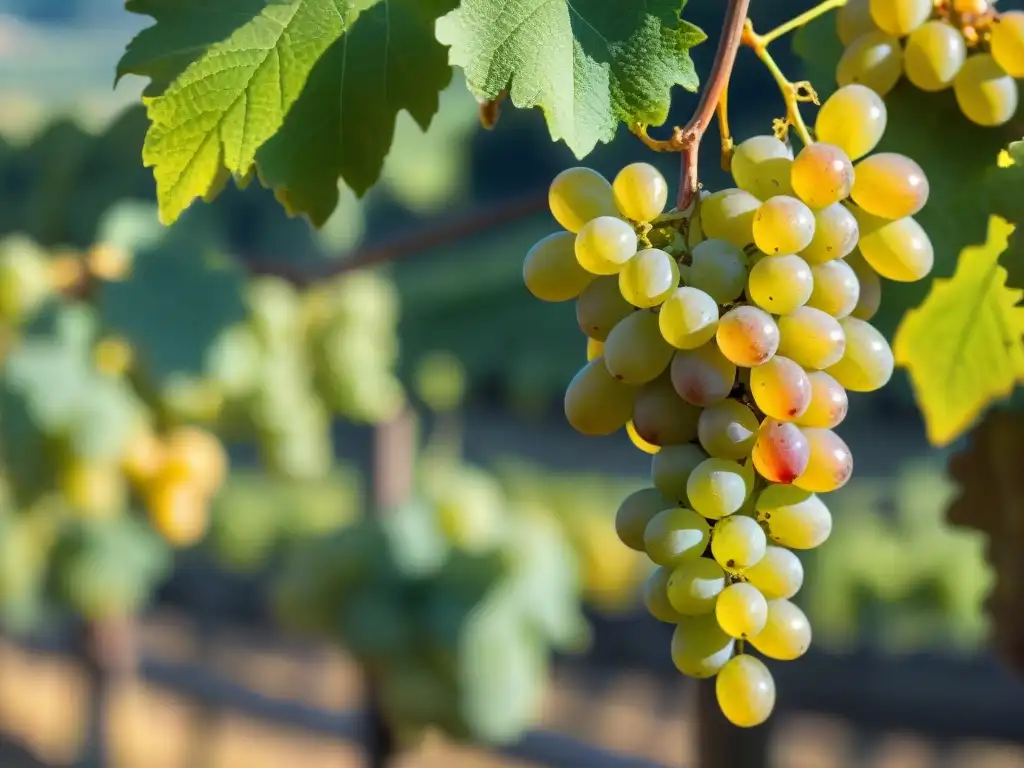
{"x":42,"y":703}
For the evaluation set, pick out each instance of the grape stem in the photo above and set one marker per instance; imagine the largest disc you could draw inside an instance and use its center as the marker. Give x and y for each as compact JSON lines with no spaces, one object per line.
{"x":792,"y":93}
{"x":718,"y":82}
{"x":802,"y":20}
{"x":723,"y":128}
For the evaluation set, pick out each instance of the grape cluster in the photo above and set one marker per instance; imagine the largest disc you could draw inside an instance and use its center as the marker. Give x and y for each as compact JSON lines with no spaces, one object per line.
{"x":301,"y":357}
{"x":724,"y":340}
{"x":965,"y":45}
{"x":176,"y":475}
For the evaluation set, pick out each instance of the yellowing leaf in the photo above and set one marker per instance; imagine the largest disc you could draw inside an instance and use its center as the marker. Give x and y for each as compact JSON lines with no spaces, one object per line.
{"x":963,"y":346}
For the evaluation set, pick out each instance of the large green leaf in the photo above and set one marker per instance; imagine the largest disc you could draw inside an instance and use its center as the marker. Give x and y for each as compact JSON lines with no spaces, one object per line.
{"x":109,"y":568}
{"x":588,"y":64}
{"x":174,"y":306}
{"x":1006,"y":191}
{"x":342,"y":125}
{"x":223,"y":77}
{"x":53,"y":400}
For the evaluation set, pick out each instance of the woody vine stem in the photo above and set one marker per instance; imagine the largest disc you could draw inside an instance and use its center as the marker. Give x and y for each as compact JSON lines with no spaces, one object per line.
{"x":737,"y":31}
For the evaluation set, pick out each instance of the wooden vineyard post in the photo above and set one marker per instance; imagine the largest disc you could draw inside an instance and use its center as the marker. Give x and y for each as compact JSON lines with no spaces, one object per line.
{"x":108,"y":651}
{"x":720,"y":744}
{"x":391,"y":478}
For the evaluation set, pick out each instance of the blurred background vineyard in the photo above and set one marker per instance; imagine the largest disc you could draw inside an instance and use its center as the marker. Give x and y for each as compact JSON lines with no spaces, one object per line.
{"x":188,"y":436}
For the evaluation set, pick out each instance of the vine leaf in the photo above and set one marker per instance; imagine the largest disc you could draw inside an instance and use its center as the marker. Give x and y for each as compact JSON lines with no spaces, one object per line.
{"x":963,"y":346}
{"x":1005,"y":184}
{"x":343,"y":124}
{"x":991,"y":500}
{"x":224,"y":76}
{"x":588,"y":64}
{"x":174,"y":305}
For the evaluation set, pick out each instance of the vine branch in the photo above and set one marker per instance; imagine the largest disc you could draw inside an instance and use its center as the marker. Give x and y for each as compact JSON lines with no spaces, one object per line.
{"x":408,"y":243}
{"x":718,"y":81}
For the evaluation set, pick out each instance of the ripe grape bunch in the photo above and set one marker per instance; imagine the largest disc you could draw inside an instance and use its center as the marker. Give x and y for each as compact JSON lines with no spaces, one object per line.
{"x":966,"y":45}
{"x":724,"y":340}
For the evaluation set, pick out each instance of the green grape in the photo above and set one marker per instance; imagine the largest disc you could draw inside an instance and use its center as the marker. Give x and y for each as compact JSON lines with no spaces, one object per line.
{"x":830,"y":464}
{"x":702,"y":376}
{"x":729,"y":215}
{"x":635,"y":351}
{"x":661,"y":417}
{"x":635,"y":512}
{"x":867,"y":364}
{"x":829,"y":402}
{"x":551,"y":271}
{"x":761,"y":166}
{"x":836,"y":288}
{"x":780,"y":284}
{"x":655,"y":595}
{"x":689,"y":318}
{"x":890,"y":186}
{"x":934,"y":54}
{"x":745,"y":691}
{"x":1007,"y":42}
{"x":578,"y":195}
{"x":640,"y":192}
{"x":699,"y":646}
{"x":275,"y":308}
{"x":694,"y":586}
{"x":795,"y":518}
{"x":854,"y":119}
{"x":822,"y":175}
{"x":778,"y":575}
{"x":897,"y":250}
{"x":675,"y":535}
{"x":900,"y":17}
{"x":741,"y":609}
{"x":783,"y":225}
{"x":874,"y":60}
{"x":601,"y":307}
{"x":781,"y":451}
{"x":870,"y":287}
{"x":787,"y":632}
{"x":985,"y":93}
{"x":594,"y":348}
{"x":780,"y":388}
{"x":738,"y":543}
{"x":671,"y":468}
{"x":811,"y":338}
{"x":726,"y":430}
{"x":440,"y":379}
{"x":747,"y":336}
{"x":604,"y":245}
{"x":835,"y":235}
{"x":25,"y":279}
{"x":649,"y":278}
{"x":853,"y":20}
{"x":717,"y":488}
{"x":718,"y":268}
{"x":597,"y":404}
